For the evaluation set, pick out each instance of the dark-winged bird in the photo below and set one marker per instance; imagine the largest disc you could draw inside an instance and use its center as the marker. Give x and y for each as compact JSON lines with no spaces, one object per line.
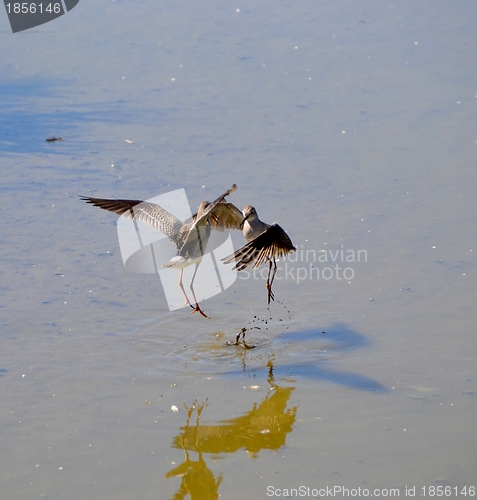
{"x":265,"y":242}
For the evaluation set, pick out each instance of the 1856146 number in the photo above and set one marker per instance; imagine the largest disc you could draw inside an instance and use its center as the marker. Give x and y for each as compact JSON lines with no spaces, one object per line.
{"x":33,"y":8}
{"x":448,"y":491}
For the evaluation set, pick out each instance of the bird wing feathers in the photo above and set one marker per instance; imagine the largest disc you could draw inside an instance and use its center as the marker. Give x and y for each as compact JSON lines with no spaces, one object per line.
{"x":181,"y":233}
{"x":198,"y":232}
{"x":226,"y":216}
{"x":223,"y":216}
{"x":201,"y":218}
{"x":273,"y":242}
{"x":149,"y":213}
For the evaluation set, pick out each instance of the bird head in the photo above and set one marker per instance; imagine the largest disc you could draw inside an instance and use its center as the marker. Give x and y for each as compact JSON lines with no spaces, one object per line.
{"x":202,"y":208}
{"x":248,"y":212}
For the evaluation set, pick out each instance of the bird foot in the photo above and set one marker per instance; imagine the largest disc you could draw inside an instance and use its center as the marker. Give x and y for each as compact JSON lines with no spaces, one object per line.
{"x":271,"y":295}
{"x":198,"y":309}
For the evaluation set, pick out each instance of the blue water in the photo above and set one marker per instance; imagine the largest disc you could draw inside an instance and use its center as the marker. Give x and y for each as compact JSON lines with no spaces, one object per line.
{"x":350,"y":125}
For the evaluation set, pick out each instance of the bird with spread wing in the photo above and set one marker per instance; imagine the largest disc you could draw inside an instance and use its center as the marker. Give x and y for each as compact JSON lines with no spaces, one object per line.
{"x":190,"y":236}
{"x":265,"y":242}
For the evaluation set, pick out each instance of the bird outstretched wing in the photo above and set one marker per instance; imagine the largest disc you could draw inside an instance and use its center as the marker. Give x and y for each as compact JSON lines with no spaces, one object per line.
{"x":273,"y":242}
{"x":149,"y":213}
{"x":225,"y":216}
{"x":203,"y":215}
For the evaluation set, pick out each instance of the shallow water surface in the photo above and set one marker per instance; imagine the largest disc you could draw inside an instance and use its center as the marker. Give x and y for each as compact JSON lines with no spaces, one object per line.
{"x":353,"y":127}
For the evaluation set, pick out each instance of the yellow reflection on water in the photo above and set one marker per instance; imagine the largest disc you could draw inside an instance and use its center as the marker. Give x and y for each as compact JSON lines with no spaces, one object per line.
{"x":265,"y":426}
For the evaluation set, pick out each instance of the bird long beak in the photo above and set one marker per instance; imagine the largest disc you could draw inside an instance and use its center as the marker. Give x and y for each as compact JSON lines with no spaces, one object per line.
{"x":243,"y":221}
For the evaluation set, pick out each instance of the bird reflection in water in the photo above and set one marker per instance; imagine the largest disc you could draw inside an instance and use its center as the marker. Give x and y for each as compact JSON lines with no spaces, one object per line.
{"x":265,"y":426}
{"x":197,"y":479}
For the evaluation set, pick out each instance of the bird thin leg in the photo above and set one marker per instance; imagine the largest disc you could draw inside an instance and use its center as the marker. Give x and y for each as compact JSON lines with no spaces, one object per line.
{"x":197,"y":308}
{"x":274,"y":272}
{"x":181,"y":286}
{"x":269,"y":282}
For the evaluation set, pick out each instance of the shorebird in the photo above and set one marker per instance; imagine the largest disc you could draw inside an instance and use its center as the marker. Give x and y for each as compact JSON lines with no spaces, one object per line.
{"x":190,"y":236}
{"x":265,"y":242}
